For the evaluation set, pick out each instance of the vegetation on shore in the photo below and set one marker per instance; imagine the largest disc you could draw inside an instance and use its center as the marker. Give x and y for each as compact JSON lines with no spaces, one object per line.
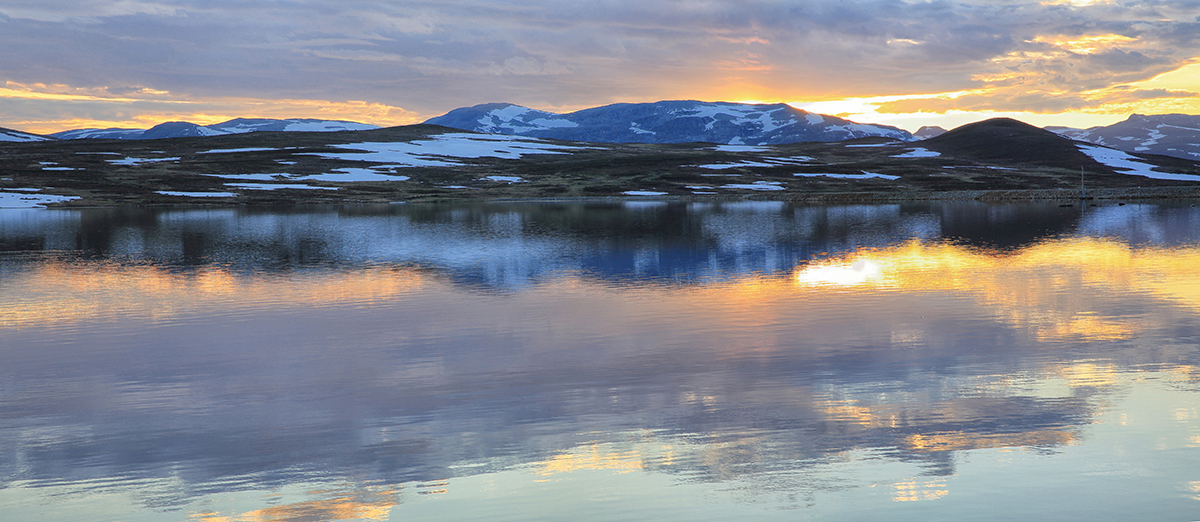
{"x":998,"y":159}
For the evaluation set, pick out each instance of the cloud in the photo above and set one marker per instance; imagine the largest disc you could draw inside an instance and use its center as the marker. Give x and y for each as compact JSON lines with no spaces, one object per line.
{"x":431,"y":56}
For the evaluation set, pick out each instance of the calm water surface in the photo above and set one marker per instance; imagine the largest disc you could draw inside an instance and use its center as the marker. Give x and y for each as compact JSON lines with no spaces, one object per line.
{"x":638,"y":361}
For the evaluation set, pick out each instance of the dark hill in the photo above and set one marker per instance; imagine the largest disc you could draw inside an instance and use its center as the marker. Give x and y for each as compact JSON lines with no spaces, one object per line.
{"x":1008,"y":141}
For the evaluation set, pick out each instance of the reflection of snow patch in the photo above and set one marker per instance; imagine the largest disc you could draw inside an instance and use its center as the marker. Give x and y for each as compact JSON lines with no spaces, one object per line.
{"x":1124,"y":163}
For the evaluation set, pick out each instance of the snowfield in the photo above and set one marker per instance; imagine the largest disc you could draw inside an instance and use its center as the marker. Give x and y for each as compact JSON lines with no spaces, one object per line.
{"x":276,"y":186}
{"x":757,"y":185}
{"x":864,"y":175}
{"x":437,"y":152}
{"x":28,"y":200}
{"x":919,"y":153}
{"x":139,"y":161}
{"x":1125,"y":163}
{"x":197,"y":194}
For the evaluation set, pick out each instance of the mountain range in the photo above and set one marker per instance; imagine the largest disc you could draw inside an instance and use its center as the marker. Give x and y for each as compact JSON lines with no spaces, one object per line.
{"x":183,"y":129}
{"x":683,"y":121}
{"x":1175,"y":135}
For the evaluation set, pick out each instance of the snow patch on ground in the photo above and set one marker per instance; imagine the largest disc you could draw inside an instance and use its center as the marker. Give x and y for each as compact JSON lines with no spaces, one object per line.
{"x":197,"y":194}
{"x":247,"y":149}
{"x":1125,"y":163}
{"x":139,"y":161}
{"x":351,"y":175}
{"x":864,"y":175}
{"x":919,"y":153}
{"x":276,"y":186}
{"x":436,"y":152}
{"x":757,"y":185}
{"x":643,"y":193}
{"x":504,"y":179}
{"x":723,"y":166}
{"x":27,"y":200}
{"x":862,"y":145}
{"x":250,"y":177}
{"x":740,"y":148}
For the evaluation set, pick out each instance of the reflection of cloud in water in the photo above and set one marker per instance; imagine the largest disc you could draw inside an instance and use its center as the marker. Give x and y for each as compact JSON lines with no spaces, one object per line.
{"x":373,"y":368}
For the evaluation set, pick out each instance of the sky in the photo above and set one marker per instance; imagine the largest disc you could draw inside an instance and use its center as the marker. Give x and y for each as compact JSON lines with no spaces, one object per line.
{"x":69,"y":64}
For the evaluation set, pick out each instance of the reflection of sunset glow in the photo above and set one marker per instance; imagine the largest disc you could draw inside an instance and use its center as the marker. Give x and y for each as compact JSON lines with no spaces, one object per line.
{"x":913,"y":491}
{"x":1040,"y":289}
{"x":958,"y":441}
{"x":363,"y":505}
{"x":592,"y":457}
{"x":1089,"y":374}
{"x":62,"y":294}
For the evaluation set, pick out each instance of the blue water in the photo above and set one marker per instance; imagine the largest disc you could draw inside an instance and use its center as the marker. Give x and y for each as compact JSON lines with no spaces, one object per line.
{"x":603,"y":361}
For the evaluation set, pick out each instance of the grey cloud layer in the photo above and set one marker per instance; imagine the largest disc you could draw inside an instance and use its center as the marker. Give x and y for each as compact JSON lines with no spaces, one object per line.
{"x":433,"y":56}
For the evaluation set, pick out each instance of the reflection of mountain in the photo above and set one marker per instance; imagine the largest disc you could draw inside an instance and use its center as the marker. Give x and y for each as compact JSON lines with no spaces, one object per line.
{"x":513,"y":245}
{"x":388,"y":373}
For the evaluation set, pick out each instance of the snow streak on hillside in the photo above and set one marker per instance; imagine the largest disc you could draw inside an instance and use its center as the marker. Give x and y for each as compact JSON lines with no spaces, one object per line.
{"x":667,"y":122}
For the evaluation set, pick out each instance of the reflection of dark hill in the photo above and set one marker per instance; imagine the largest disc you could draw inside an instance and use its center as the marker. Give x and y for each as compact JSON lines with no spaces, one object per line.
{"x":1008,"y":141}
{"x":1004,"y":226}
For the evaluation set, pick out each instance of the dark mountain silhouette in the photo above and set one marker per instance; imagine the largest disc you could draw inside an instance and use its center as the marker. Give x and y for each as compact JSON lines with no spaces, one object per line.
{"x":1009,"y":141}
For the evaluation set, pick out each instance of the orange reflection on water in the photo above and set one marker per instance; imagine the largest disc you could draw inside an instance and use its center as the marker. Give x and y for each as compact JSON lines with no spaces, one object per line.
{"x":914,"y":491}
{"x":593,"y":457}
{"x":59,"y":293}
{"x":958,"y":441}
{"x":361,"y":505}
{"x":1045,"y":288}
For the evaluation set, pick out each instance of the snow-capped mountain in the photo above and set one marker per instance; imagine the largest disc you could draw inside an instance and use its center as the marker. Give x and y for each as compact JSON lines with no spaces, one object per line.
{"x":928,"y":131}
{"x":1175,"y":135}
{"x":12,"y":135}
{"x":182,"y":129}
{"x":667,"y":122}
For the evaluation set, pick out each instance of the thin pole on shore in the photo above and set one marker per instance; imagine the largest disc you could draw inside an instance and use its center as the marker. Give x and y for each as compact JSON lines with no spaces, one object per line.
{"x":1081,"y":185}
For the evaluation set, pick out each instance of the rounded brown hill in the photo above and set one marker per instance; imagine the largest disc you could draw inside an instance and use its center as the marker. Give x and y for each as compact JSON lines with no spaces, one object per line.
{"x":1008,"y":141}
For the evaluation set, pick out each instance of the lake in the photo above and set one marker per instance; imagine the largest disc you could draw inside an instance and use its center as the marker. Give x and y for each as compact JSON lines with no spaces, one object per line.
{"x":602,"y":361}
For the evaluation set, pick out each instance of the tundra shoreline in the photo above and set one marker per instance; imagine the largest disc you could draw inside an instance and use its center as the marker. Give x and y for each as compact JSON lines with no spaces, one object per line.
{"x":1062,"y":195}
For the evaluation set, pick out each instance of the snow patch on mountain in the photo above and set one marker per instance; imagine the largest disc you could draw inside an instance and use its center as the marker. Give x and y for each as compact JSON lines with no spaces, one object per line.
{"x":666,"y":122}
{"x":182,"y":129}
{"x":19,"y":137}
{"x":1124,"y":163}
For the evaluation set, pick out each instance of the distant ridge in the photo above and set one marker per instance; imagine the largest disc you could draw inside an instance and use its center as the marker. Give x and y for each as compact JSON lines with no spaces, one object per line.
{"x":1009,"y":141}
{"x":18,"y":136}
{"x":1175,"y":135}
{"x":683,"y":121}
{"x":183,"y":129}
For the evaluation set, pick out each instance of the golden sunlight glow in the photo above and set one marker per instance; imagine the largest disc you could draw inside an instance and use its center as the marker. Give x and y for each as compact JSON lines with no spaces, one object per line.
{"x":156,"y":106}
{"x":1087,"y":44}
